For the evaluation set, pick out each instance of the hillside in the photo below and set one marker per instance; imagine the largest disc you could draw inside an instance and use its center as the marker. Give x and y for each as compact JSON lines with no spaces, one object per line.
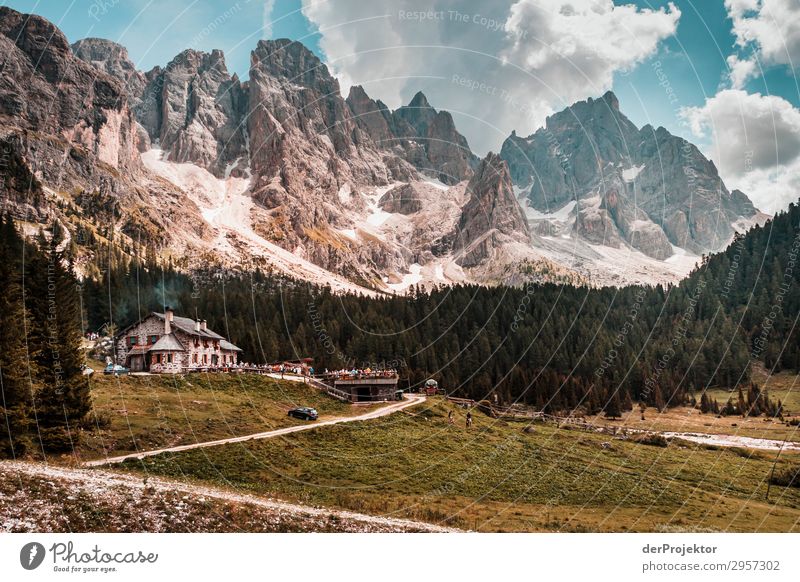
{"x":502,"y":476}
{"x":135,"y":413}
{"x":60,"y":500}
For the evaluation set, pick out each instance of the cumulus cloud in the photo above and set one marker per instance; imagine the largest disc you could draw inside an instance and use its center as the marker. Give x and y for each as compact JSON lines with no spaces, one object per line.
{"x":755,"y":142}
{"x":769,"y":30}
{"x":497,"y":66}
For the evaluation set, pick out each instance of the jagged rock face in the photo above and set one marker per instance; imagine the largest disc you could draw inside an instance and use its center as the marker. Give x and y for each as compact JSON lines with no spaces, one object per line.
{"x":72,"y":141}
{"x":44,"y":88}
{"x":666,"y":192}
{"x":426,"y":138}
{"x":193,"y":108}
{"x":373,"y":117}
{"x":112,"y":58}
{"x":681,"y":190}
{"x":403,"y":199}
{"x":305,"y":146}
{"x":196,"y":110}
{"x":492,"y":214}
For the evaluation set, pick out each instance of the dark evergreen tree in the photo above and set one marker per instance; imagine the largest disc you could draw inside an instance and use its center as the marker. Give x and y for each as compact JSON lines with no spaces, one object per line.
{"x":16,"y":374}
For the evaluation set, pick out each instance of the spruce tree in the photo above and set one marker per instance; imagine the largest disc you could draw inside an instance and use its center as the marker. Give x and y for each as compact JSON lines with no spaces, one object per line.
{"x":15,"y":374}
{"x":63,"y":400}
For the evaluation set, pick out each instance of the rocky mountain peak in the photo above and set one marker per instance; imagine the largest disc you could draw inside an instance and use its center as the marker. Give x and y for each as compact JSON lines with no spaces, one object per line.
{"x":48,"y":90}
{"x":419,"y":101}
{"x":372,"y":116}
{"x":418,"y":114}
{"x":32,"y":33}
{"x":425,"y":138}
{"x":102,"y":52}
{"x":112,"y":58}
{"x":195,"y":109}
{"x":611,"y":100}
{"x":200,"y":61}
{"x":662,"y":187}
{"x":492,"y":215}
{"x":39,"y":39}
{"x":292,"y":62}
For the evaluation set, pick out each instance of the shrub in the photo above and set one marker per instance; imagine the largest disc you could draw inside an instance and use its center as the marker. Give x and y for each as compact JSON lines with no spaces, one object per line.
{"x":652,"y":439}
{"x":97,"y":421}
{"x":787,"y":478}
{"x":58,"y":439}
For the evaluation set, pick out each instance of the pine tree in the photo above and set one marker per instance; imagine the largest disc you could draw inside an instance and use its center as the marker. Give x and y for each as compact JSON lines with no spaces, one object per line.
{"x":613,"y":409}
{"x":63,"y":400}
{"x":15,"y":388}
{"x":741,"y":407}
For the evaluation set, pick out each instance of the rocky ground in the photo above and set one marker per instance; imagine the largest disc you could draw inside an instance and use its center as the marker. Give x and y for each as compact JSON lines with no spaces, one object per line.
{"x":45,"y":498}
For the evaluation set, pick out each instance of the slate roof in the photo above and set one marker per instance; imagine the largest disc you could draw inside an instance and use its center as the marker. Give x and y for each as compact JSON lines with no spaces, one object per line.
{"x":186,"y":324}
{"x":138,"y":350}
{"x":226,"y":345}
{"x":167,"y":343}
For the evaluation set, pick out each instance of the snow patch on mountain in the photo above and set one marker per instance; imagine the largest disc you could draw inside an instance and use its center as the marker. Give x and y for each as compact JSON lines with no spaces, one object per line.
{"x":227,"y":207}
{"x":561,"y":214}
{"x":629,"y":175}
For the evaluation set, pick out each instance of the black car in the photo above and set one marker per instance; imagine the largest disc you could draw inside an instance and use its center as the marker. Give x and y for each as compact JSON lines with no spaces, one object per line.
{"x":304,"y":413}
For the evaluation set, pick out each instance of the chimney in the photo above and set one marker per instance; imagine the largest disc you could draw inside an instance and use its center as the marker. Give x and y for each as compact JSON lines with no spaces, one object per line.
{"x":167,"y":320}
{"x":203,"y":325}
{"x":197,"y":325}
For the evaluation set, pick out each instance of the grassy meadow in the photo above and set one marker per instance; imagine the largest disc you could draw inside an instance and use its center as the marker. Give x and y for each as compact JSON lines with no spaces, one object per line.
{"x":133,"y":413}
{"x":502,"y":476}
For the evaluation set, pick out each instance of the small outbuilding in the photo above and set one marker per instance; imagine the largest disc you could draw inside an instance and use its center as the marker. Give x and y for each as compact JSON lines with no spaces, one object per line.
{"x":431,"y":387}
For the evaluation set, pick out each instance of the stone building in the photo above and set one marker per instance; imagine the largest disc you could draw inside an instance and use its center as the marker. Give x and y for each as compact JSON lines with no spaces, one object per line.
{"x":166,"y":343}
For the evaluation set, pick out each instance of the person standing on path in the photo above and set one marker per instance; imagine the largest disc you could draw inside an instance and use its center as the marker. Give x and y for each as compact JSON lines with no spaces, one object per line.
{"x":469,"y":419}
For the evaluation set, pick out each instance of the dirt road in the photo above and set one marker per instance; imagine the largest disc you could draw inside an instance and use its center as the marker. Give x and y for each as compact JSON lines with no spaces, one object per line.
{"x":409,"y":400}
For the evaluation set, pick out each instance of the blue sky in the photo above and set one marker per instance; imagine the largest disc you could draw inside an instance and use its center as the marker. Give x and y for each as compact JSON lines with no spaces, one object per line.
{"x":506,"y":64}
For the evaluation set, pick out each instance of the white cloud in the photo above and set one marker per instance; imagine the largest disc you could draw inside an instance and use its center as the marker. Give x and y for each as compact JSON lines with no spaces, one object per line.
{"x":266,"y":27}
{"x":740,"y":70}
{"x":769,"y":30}
{"x":498,"y":65}
{"x":755,"y":144}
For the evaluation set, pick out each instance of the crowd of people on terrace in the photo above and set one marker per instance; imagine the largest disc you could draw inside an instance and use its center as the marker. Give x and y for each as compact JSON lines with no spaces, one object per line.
{"x":360,"y":373}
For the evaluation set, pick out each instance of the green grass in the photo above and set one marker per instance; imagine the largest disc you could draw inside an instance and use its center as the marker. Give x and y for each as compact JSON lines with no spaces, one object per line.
{"x":133,"y":413}
{"x":496,"y":477}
